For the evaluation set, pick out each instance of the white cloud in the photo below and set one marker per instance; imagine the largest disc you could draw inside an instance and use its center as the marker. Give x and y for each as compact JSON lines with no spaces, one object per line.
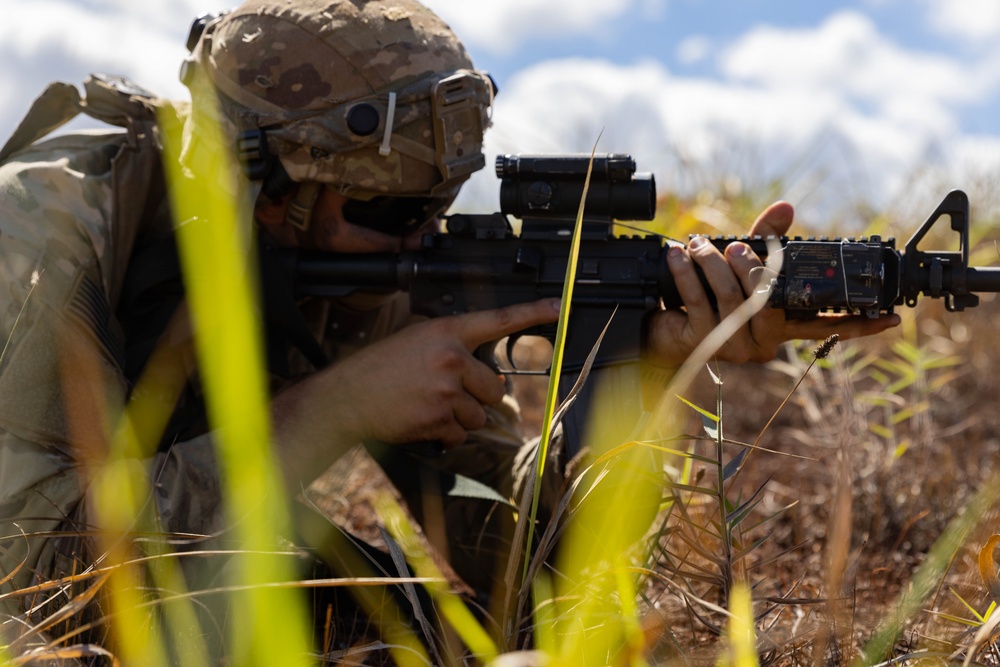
{"x":48,"y":40}
{"x":682,"y":129}
{"x":847,"y":54}
{"x":142,"y":41}
{"x":694,"y":132}
{"x":976,"y":20}
{"x":975,"y":155}
{"x":502,"y":26}
{"x":654,"y":10}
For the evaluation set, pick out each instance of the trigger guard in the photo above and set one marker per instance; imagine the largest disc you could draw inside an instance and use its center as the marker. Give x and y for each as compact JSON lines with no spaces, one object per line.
{"x":486,"y":353}
{"x":511,"y":342}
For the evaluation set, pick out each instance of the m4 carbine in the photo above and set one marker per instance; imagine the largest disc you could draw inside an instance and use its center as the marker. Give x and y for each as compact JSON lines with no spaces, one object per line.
{"x":481,"y":263}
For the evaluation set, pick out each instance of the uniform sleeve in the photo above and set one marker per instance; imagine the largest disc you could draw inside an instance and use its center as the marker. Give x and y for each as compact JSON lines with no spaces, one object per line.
{"x":58,"y":359}
{"x":63,"y":351}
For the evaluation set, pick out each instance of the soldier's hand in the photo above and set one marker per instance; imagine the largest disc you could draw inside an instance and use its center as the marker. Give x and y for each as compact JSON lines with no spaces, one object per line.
{"x":420,"y":384}
{"x":673,"y":334}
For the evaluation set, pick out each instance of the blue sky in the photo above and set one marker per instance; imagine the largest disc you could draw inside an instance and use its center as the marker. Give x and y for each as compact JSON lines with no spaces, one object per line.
{"x":843,"y":104}
{"x":688,"y":36}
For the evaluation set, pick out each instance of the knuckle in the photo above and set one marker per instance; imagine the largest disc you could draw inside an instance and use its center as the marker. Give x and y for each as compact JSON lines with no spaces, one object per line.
{"x":442,"y":325}
{"x":730,"y":292}
{"x":440,"y":425}
{"x":449,"y":393}
{"x":440,"y":417}
{"x":736,"y":351}
{"x":453,"y":441}
{"x":451,"y":358}
{"x":696,"y":299}
{"x":453,"y":437}
{"x":504,"y":316}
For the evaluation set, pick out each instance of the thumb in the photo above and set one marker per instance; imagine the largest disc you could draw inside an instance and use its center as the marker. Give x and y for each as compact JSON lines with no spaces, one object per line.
{"x":774,"y":221}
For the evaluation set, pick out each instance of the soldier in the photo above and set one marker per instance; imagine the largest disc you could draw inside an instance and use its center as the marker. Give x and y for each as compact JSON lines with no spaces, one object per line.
{"x":339,"y":111}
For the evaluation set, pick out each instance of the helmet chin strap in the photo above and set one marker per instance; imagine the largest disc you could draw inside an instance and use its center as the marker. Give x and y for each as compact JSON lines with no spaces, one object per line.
{"x":300,"y":208}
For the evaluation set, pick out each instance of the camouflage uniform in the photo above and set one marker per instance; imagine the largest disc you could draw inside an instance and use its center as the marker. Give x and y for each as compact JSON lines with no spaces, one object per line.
{"x":72,"y":209}
{"x":76,"y":209}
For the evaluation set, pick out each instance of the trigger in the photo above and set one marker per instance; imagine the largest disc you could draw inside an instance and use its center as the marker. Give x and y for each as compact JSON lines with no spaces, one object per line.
{"x":511,"y":342}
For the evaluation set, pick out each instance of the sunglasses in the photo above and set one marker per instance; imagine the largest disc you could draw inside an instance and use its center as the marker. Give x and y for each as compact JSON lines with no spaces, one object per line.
{"x":395,"y":216}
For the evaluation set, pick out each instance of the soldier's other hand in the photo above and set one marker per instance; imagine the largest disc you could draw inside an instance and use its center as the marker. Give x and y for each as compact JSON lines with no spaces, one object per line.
{"x":673,"y":334}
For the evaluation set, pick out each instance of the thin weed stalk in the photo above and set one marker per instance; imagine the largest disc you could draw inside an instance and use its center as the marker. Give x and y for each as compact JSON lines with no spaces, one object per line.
{"x":821,"y":352}
{"x":35,"y":278}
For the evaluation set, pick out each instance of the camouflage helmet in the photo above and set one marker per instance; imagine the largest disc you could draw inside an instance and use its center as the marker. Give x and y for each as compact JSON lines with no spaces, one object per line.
{"x":371,"y":97}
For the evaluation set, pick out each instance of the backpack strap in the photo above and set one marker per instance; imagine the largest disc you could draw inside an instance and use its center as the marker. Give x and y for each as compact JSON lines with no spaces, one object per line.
{"x":118,"y":101}
{"x":57,"y":105}
{"x":111,"y":99}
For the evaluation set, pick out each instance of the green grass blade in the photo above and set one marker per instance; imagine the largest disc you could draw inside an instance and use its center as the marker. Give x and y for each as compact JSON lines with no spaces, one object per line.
{"x":925,"y":580}
{"x":979,"y":618}
{"x":555,"y":370}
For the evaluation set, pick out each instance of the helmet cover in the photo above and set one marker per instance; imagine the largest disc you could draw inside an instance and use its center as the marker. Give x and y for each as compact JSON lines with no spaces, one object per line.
{"x":372,"y":97}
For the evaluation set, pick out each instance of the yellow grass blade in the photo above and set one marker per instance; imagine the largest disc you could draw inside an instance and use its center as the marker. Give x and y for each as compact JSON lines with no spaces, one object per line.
{"x":740,"y":635}
{"x":214,"y":236}
{"x":449,"y":605}
{"x":35,"y":277}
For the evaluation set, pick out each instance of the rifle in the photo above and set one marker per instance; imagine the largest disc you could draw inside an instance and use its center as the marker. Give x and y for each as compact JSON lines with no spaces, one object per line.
{"x":481,"y":263}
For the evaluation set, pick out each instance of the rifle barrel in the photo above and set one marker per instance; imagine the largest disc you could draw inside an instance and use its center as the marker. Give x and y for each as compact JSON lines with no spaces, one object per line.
{"x":982,"y":279}
{"x":977,"y":279}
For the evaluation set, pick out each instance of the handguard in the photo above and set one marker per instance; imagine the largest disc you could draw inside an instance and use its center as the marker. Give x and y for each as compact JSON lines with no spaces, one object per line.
{"x":869,"y":276}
